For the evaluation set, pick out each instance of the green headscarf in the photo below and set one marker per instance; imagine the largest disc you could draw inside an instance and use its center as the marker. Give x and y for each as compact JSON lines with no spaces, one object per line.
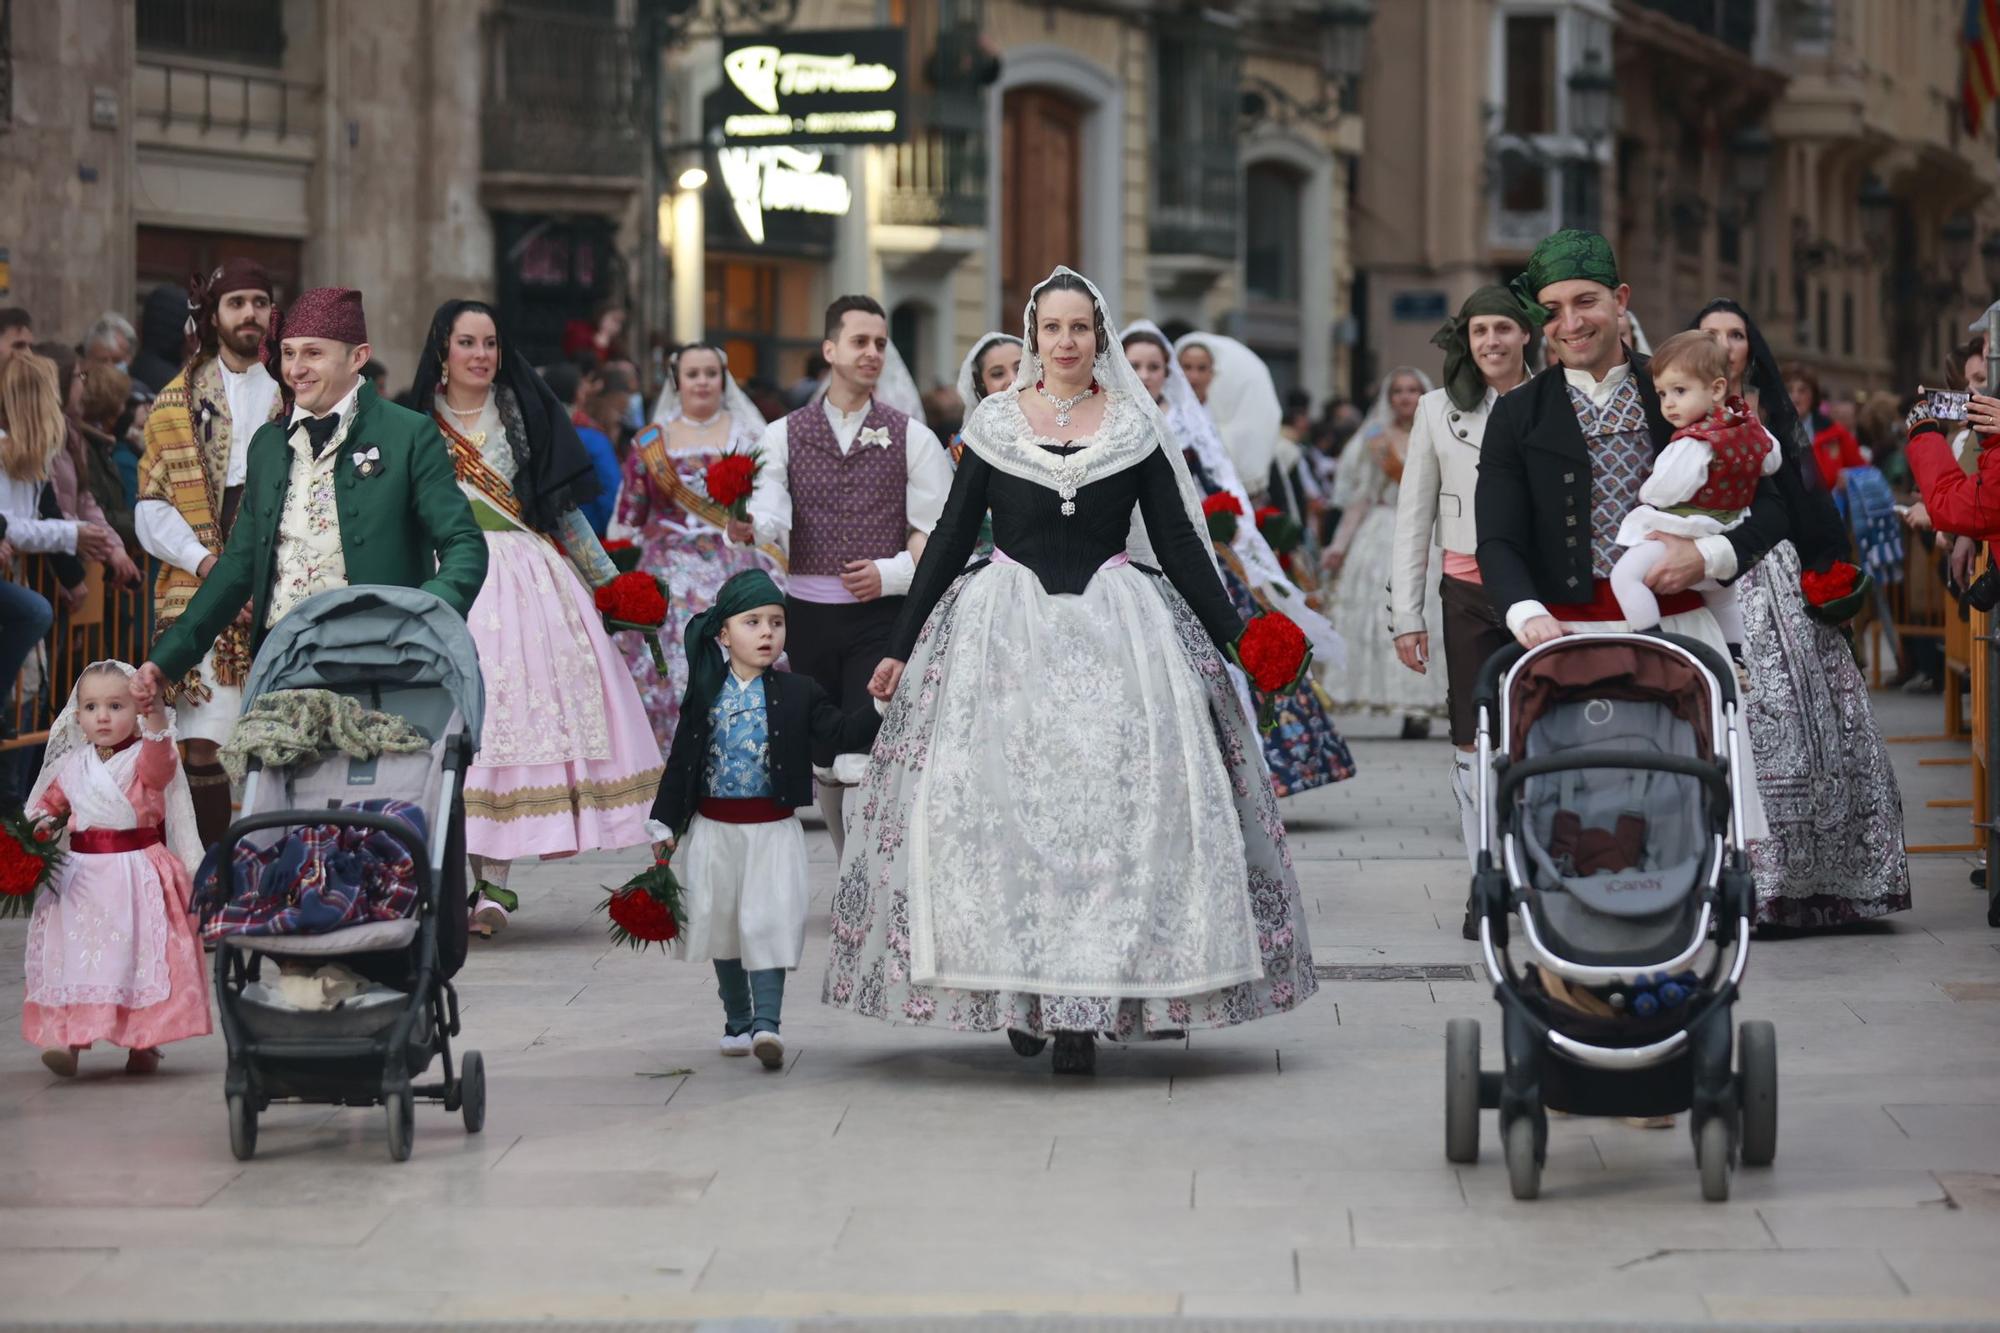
{"x":1563,"y":256}
{"x":707,"y":662}
{"x":1463,"y":380}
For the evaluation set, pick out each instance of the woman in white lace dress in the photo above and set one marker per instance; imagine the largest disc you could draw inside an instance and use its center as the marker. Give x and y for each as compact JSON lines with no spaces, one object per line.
{"x":703,"y":416}
{"x":1065,"y":828}
{"x":1361,"y":558}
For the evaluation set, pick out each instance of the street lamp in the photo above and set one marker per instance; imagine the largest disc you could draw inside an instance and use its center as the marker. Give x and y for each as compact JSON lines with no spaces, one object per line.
{"x":1878,"y":209}
{"x":694,"y":178}
{"x":1343,"y":34}
{"x":1591,"y":89}
{"x":1343,"y":30}
{"x":1750,"y":154}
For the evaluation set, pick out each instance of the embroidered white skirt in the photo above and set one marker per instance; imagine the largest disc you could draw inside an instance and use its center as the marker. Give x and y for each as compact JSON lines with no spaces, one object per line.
{"x":743,"y":891}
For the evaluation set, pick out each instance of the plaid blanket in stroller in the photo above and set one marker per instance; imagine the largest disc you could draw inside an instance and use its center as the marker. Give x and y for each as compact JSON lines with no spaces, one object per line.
{"x":318,"y":878}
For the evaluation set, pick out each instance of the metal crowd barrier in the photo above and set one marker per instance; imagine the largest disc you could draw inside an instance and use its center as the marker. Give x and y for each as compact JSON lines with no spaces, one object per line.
{"x":109,"y":622}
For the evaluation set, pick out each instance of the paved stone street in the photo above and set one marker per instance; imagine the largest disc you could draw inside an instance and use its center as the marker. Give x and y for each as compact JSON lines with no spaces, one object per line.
{"x":1293,"y":1167}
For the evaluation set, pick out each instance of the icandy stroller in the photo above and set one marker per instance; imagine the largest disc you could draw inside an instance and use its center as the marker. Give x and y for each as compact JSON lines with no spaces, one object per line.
{"x":400,"y":651}
{"x":1613,"y":896}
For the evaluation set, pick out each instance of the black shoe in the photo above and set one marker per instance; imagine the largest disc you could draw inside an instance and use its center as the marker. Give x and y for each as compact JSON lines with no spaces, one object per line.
{"x":1469,"y":928}
{"x":1076,"y":1053}
{"x":1416,"y":728}
{"x":1979,"y":878}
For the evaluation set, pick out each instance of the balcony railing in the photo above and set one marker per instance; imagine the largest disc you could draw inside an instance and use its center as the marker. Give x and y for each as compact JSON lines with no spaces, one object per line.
{"x":1196,"y":199}
{"x":1731,"y":21}
{"x":938,"y":179}
{"x":212,"y":99}
{"x":560,"y":96}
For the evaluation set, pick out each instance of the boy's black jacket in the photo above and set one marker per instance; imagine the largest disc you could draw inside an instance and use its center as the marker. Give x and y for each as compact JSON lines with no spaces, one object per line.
{"x":804,"y":726}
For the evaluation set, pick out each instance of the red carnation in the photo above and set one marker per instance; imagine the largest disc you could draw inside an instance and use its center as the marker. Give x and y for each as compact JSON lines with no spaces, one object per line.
{"x":1222,"y":502}
{"x":1830,"y":585}
{"x":646,"y":909}
{"x":1221,"y":510}
{"x":633,"y":598}
{"x":1274,"y":652}
{"x":29,"y":859}
{"x":730,"y":479}
{"x":1267,"y":513}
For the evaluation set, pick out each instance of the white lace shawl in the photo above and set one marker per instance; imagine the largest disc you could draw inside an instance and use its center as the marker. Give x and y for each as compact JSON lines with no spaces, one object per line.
{"x":1243,"y":401}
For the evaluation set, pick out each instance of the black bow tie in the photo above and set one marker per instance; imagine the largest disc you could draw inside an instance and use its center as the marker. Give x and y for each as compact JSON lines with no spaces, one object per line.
{"x":319,"y":431}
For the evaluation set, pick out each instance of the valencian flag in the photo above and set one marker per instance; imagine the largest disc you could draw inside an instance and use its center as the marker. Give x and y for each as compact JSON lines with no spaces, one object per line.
{"x":1982,"y":59}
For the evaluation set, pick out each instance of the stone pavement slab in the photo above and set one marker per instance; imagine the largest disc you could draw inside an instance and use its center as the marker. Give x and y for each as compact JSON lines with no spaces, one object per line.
{"x":1290,"y":1172}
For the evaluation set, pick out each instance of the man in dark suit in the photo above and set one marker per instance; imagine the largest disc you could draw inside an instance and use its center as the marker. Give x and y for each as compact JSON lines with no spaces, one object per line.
{"x":1564,"y":458}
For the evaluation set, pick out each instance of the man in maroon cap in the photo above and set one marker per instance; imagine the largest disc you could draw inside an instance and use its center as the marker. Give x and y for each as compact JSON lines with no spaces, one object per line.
{"x":346,"y":489}
{"x":190,"y":484}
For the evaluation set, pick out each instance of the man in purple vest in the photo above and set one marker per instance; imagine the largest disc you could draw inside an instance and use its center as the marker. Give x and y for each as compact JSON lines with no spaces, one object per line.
{"x":845,"y":483}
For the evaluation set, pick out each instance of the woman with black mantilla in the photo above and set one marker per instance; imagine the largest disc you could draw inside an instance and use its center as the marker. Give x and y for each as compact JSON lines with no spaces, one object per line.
{"x":567,"y":761}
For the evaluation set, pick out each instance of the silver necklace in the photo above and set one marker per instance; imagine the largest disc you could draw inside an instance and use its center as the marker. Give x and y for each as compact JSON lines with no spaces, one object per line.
{"x":1063,"y":406}
{"x":698,"y":424}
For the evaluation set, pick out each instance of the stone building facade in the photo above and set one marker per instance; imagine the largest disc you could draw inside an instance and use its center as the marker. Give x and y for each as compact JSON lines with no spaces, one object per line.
{"x":497,"y":149}
{"x":1806,"y":157}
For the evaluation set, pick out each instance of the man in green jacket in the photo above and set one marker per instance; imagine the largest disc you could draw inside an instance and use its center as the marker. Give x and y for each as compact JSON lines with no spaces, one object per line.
{"x":344,"y":489}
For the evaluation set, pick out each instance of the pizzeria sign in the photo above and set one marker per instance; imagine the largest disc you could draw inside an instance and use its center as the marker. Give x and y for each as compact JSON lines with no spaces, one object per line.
{"x":825,"y":87}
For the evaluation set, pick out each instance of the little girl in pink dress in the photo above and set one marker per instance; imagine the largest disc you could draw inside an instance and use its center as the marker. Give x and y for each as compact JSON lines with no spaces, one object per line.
{"x":112,"y":953}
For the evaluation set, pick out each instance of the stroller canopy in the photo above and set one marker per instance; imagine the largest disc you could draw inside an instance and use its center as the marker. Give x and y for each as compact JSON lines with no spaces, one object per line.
{"x":372,"y":635}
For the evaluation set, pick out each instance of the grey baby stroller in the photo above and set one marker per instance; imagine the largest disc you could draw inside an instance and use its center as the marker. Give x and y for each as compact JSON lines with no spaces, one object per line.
{"x":1613,"y":898}
{"x":400,"y":651}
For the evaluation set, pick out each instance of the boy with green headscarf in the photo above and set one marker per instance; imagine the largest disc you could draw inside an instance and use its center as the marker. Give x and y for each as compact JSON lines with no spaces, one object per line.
{"x":740,"y":766}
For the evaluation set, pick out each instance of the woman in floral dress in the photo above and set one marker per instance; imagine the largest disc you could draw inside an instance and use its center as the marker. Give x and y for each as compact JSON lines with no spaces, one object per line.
{"x":702,"y":415}
{"x":1065,"y":828}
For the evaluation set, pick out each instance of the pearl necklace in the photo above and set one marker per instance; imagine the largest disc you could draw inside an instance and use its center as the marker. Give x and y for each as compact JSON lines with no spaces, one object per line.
{"x":1063,"y":406}
{"x":694,"y":423}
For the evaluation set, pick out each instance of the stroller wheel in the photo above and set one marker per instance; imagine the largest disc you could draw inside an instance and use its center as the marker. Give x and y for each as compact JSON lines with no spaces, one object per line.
{"x":1524,"y":1172}
{"x":1026,"y":1044}
{"x":472,"y":1092}
{"x":242,"y":1128}
{"x":1757,"y":1091}
{"x":402,"y":1115}
{"x":1461,"y":1090}
{"x":1712,"y":1153}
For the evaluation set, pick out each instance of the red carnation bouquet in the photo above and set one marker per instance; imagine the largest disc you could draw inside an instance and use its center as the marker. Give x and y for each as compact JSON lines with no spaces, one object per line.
{"x":646,"y":909}
{"x":1836,"y":594}
{"x":1274,"y":653}
{"x":1221,"y":510}
{"x":29,"y":860}
{"x":635,"y":601}
{"x":730,"y":479}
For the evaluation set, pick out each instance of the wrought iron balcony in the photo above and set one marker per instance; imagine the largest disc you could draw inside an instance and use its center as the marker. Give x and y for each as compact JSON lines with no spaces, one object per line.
{"x":1195,"y":203}
{"x":560,"y":96}
{"x":938,"y":179}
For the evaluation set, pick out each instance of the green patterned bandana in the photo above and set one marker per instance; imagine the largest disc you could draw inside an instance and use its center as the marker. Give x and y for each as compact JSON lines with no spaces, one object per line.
{"x":1463,"y":380}
{"x":1562,"y":257}
{"x":707,"y":663}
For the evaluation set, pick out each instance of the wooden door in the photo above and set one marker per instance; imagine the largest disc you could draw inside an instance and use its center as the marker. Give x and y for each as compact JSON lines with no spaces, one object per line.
{"x":1041,"y":200}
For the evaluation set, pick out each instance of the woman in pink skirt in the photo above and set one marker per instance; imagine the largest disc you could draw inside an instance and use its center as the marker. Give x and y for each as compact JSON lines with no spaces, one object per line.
{"x":112,"y":954}
{"x":567,"y":762}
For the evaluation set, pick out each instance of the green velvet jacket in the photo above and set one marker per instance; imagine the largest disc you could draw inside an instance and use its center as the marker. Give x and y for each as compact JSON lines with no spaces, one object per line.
{"x":406,"y":524}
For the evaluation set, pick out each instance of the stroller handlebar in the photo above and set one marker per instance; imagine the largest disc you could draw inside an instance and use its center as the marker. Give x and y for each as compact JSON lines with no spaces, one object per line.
{"x":1496,"y":667}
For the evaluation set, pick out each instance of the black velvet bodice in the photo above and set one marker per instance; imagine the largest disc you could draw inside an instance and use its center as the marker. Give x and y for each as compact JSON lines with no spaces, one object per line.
{"x":1065,"y":551}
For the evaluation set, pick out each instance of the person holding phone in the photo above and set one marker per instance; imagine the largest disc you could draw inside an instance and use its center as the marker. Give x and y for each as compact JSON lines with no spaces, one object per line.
{"x":1963,"y":503}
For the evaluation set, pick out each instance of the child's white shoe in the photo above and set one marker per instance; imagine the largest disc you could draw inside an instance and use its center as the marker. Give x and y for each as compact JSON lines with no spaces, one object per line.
{"x":736,"y":1045}
{"x":768,"y":1047}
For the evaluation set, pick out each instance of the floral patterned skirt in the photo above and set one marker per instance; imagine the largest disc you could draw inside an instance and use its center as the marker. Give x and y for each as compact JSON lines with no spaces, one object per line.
{"x":566,"y":762}
{"x":1075,"y":838}
{"x":1304,"y":749}
{"x":1834,"y":852}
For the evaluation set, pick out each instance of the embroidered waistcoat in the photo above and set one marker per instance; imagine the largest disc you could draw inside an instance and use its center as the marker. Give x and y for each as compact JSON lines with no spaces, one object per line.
{"x":1621,"y":457}
{"x":851,"y":506}
{"x":739,"y":743}
{"x":309,"y":557}
{"x":1738,"y":445}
